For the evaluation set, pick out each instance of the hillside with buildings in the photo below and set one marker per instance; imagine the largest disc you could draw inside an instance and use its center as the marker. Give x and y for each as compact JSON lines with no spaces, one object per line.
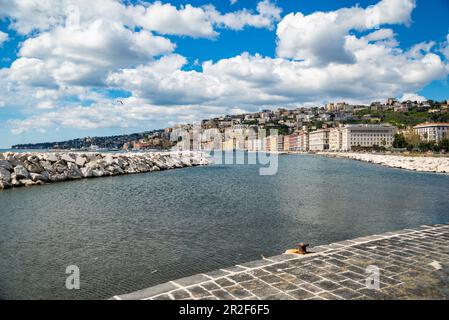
{"x":412,"y":125}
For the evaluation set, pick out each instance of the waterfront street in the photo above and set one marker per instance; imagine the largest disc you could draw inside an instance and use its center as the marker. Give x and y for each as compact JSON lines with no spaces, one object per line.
{"x":413,"y":264}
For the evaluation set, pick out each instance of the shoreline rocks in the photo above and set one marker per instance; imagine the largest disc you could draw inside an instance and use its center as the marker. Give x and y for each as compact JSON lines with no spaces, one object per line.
{"x":420,"y":164}
{"x":28,"y":169}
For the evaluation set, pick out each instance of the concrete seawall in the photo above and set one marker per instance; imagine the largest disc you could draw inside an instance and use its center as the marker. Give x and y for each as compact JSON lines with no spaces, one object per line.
{"x":411,"y":264}
{"x":420,"y":164}
{"x":28,"y":169}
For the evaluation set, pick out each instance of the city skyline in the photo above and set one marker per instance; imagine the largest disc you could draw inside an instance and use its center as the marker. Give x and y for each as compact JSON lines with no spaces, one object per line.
{"x":130,"y":67}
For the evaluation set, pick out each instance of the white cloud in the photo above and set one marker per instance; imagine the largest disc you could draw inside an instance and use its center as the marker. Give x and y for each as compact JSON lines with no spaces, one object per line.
{"x":3,"y":38}
{"x":267,"y":15}
{"x":380,"y":34}
{"x":105,"y":114}
{"x":84,"y":55}
{"x":445,"y":48}
{"x":412,"y":97}
{"x":37,"y":15}
{"x":320,"y":38}
{"x":254,"y":81}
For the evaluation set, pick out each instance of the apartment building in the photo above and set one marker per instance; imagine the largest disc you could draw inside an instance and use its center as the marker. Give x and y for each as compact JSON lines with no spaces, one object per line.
{"x":302,"y":141}
{"x":335,"y":139}
{"x":319,"y":140}
{"x":367,"y":135}
{"x":435,"y":131}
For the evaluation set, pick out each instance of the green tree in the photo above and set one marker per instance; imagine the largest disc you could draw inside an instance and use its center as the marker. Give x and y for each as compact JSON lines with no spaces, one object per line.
{"x":399,"y":141}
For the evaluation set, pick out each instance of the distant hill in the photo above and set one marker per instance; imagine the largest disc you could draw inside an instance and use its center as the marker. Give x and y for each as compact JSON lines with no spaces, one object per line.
{"x":110,"y":142}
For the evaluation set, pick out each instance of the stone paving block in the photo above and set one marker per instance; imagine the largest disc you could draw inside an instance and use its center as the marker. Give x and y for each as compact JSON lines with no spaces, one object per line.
{"x":283,"y":257}
{"x":222,"y":295}
{"x":255,"y":264}
{"x":234,"y":269}
{"x":271,"y":279}
{"x":188,"y":281}
{"x":253,"y":284}
{"x":149,"y":292}
{"x":351,"y":284}
{"x":217,"y":274}
{"x":258,"y":272}
{"x":224,"y":282}
{"x":309,"y":277}
{"x":198,"y":292}
{"x":347,"y":294}
{"x":286,"y":276}
{"x":329,"y":296}
{"x":310,"y":287}
{"x":285,"y":286}
{"x":239,"y":277}
{"x":301,"y":294}
{"x":327,"y":285}
{"x":239,"y":292}
{"x":335,"y":277}
{"x":279,"y":296}
{"x":180,"y":294}
{"x":210,"y":286}
{"x":265,"y":291}
{"x":162,"y":297}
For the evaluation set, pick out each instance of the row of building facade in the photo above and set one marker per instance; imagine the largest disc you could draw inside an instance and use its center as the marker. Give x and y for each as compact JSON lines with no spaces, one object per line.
{"x":343,"y":138}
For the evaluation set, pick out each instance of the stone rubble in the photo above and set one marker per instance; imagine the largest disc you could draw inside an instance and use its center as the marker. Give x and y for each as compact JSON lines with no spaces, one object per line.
{"x":421,"y":163}
{"x":28,"y":169}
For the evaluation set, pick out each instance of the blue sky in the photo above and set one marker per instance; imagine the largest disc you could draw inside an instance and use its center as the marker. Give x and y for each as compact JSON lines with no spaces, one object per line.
{"x":64,"y":68}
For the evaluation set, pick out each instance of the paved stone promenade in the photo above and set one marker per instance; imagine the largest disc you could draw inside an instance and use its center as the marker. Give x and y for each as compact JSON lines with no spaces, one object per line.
{"x":413,"y":264}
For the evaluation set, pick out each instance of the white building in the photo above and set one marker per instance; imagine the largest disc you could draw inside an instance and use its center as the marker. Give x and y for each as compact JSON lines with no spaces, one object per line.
{"x":435,"y":131}
{"x":335,"y":139}
{"x":319,"y":140}
{"x":367,"y":135}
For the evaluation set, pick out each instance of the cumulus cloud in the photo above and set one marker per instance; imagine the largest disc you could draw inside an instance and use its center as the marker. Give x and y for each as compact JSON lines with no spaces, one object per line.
{"x":412,"y":97}
{"x":105,"y":114}
{"x":267,"y":15}
{"x":187,"y":20}
{"x":84,"y":55}
{"x":320,"y":37}
{"x":252,"y":81}
{"x":3,"y":37}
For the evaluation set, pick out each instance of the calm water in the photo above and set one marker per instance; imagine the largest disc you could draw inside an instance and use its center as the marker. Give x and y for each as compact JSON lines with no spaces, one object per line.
{"x":129,"y":232}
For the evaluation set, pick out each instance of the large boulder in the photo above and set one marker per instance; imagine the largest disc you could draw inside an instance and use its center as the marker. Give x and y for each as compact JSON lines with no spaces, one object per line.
{"x":33,"y":166}
{"x":6,"y":165}
{"x":21,"y":172}
{"x":60,"y":167}
{"x":86,"y":172}
{"x":57,"y":177}
{"x":73,"y":171}
{"x":80,"y":161}
{"x":52,"y":157}
{"x":43,"y":176}
{"x":67,"y":157}
{"x":98,"y":172}
{"x":5,"y":178}
{"x":13,"y":159}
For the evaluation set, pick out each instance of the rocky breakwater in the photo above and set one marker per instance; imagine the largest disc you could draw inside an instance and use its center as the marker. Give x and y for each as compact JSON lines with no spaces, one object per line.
{"x":28,"y":169}
{"x":418,"y":163}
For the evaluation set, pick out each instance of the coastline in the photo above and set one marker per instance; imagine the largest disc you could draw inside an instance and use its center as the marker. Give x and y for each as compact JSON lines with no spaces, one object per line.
{"x":39,"y":168}
{"x":413,"y":163}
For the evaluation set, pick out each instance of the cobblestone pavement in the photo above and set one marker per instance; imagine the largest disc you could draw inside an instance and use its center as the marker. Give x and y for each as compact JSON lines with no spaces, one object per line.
{"x":413,"y":264}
